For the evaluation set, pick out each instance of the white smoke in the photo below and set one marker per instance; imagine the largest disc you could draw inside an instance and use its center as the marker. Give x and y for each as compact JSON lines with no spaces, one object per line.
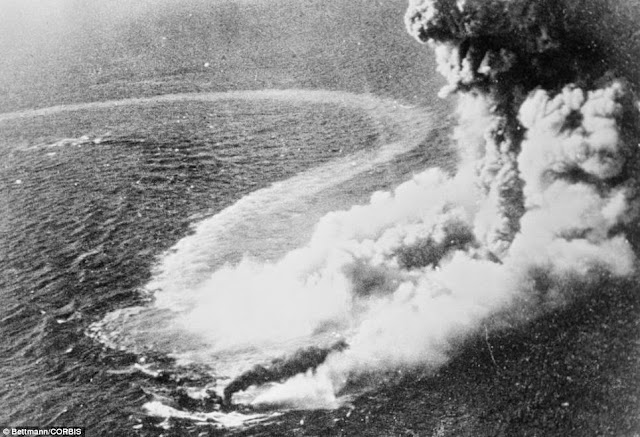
{"x":407,"y":277}
{"x":569,"y":231}
{"x":545,"y":189}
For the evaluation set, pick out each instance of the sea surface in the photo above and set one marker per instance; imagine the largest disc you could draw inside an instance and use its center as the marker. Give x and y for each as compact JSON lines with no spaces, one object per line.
{"x":95,"y":194}
{"x":123,"y":134}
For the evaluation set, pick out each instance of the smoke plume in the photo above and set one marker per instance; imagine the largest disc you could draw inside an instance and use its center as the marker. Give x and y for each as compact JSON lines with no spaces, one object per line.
{"x":542,"y":203}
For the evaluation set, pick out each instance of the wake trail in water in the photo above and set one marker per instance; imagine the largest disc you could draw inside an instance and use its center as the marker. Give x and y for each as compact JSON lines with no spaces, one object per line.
{"x":268,"y":222}
{"x":376,"y":107}
{"x":251,"y":224}
{"x":262,"y":226}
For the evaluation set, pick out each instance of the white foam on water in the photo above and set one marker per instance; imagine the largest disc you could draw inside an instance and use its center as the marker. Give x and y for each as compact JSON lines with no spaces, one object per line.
{"x":265,"y":225}
{"x":215,"y":419}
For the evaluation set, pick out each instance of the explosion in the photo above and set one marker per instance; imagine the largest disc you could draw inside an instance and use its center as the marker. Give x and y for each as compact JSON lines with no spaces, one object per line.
{"x":544,"y":201}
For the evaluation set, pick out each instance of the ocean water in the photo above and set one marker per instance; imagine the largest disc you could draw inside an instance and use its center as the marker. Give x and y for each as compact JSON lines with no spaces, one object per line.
{"x":96,"y":198}
{"x":94,"y":195}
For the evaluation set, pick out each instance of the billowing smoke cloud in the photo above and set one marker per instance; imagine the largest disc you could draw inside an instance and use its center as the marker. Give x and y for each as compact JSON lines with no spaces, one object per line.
{"x":546,"y":191}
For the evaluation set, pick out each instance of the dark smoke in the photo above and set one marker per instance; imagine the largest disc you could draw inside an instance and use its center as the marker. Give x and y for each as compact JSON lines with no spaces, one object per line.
{"x":521,"y":43}
{"x":503,"y":50}
{"x":281,"y":369}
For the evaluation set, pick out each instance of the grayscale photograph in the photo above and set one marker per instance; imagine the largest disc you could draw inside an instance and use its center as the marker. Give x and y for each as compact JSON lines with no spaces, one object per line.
{"x":321,"y":218}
